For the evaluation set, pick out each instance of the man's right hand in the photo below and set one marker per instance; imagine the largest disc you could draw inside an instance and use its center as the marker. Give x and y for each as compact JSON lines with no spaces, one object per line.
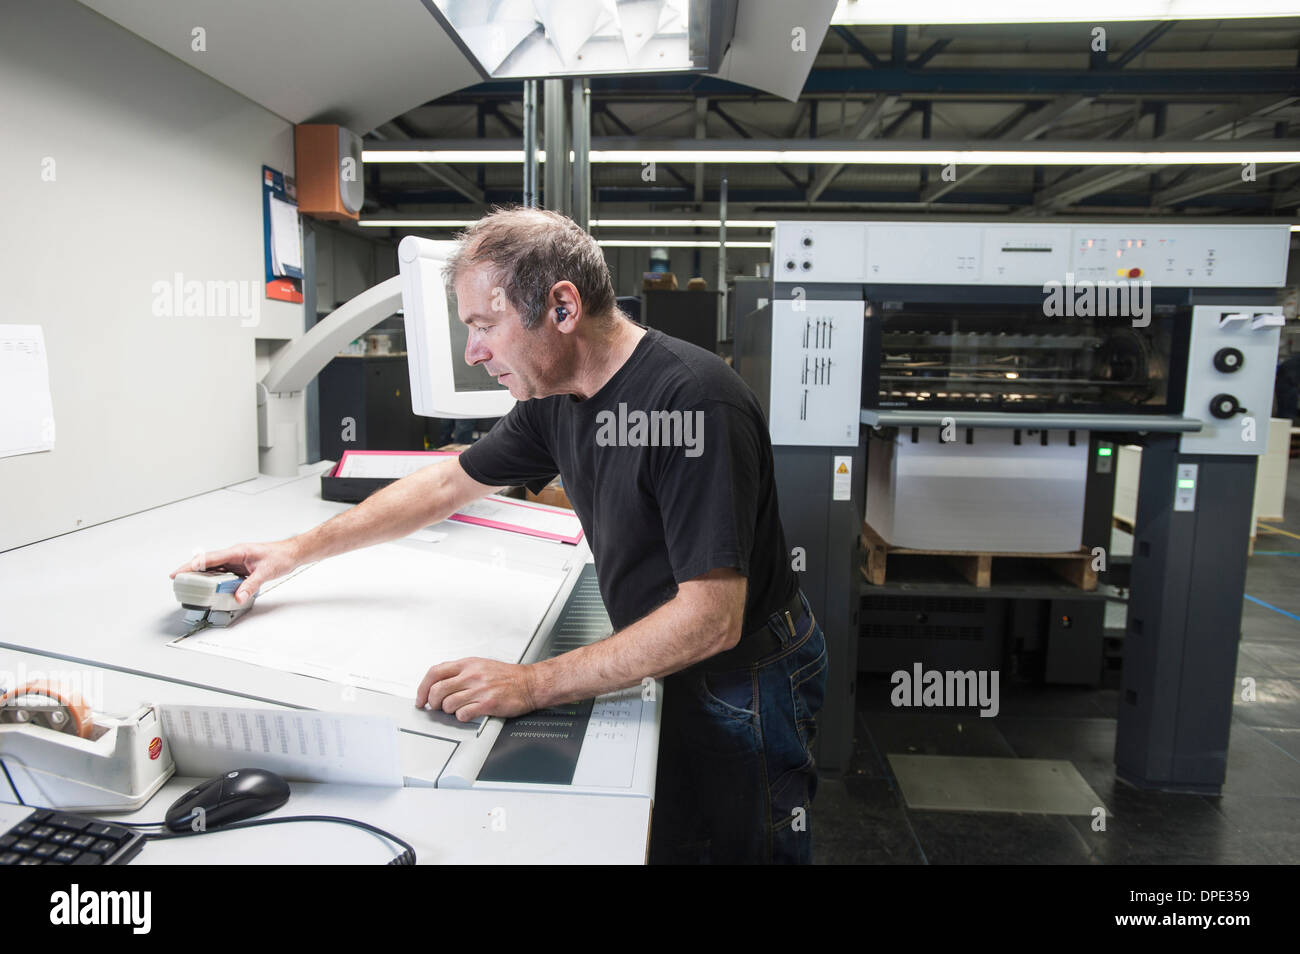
{"x":259,"y":562}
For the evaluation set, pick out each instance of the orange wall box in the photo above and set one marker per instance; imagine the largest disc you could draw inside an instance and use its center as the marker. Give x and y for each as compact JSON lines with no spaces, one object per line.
{"x":329,"y":174}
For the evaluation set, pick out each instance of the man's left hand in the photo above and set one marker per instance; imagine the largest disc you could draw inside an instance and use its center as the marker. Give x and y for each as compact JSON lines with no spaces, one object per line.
{"x":473,"y":688}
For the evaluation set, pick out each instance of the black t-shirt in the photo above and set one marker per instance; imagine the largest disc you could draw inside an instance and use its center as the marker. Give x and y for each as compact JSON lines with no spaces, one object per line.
{"x":669,"y":468}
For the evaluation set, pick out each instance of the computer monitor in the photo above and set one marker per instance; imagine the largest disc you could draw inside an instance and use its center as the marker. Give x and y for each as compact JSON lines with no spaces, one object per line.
{"x":442,"y":383}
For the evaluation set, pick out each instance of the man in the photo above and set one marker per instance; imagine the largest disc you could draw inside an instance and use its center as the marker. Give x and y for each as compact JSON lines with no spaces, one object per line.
{"x":665,"y":456}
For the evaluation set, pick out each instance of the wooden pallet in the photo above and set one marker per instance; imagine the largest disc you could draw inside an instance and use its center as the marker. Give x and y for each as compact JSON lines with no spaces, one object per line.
{"x":976,"y":566}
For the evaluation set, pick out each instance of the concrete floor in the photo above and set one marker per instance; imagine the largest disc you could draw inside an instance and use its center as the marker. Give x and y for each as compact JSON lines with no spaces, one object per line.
{"x":860,"y":817}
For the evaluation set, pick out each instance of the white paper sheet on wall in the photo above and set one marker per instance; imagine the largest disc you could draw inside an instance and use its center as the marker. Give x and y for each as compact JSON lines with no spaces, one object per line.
{"x":286,"y":241}
{"x":27,"y":420}
{"x":378,"y":618}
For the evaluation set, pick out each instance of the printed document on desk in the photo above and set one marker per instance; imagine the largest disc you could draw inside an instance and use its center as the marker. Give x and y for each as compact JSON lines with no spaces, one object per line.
{"x":301,"y":746}
{"x":378,"y":618}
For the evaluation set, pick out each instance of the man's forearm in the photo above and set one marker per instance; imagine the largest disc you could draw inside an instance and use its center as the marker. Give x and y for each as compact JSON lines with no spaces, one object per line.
{"x":671,"y":638}
{"x":401,"y":508}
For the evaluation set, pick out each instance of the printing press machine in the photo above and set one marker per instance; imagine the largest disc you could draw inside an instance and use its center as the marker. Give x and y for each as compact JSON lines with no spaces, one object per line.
{"x":963,"y":387}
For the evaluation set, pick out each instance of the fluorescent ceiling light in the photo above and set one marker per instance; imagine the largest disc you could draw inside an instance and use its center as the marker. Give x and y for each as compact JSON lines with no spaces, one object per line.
{"x":682,"y":223}
{"x":543,"y":38}
{"x":675,"y":243}
{"x":874,"y":13}
{"x":943,"y":157}
{"x":477,"y":156}
{"x":863,"y":157}
{"x":416,"y":223}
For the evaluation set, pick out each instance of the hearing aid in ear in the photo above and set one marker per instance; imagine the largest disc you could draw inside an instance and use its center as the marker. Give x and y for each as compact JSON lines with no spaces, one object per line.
{"x":561,"y":313}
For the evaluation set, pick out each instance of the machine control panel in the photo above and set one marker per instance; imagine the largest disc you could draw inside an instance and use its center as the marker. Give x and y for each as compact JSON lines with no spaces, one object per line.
{"x":1185,"y":487}
{"x":1230,"y":373}
{"x":958,"y":253}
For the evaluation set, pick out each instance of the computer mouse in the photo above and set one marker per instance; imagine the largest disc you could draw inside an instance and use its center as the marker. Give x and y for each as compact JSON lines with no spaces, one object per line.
{"x":230,"y":797}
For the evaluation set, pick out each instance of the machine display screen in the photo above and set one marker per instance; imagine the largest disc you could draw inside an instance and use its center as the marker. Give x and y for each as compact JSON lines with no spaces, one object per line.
{"x":995,"y":357}
{"x":465,"y":377}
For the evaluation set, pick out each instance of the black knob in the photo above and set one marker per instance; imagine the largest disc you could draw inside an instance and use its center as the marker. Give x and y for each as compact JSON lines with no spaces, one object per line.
{"x":790,"y":265}
{"x":1223,"y":406}
{"x":807,"y":265}
{"x":807,"y":241}
{"x":1228,"y":360}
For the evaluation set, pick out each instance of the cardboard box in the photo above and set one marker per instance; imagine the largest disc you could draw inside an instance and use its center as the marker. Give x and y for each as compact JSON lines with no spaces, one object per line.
{"x":552,"y":494}
{"x":662,"y":281}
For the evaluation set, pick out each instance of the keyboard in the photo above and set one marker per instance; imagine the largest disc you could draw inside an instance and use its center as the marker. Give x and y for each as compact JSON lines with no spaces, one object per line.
{"x":40,"y":836}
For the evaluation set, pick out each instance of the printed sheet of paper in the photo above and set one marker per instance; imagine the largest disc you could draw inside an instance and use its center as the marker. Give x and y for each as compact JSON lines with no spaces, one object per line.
{"x":386,"y":464}
{"x":302,"y":746}
{"x":27,"y":421}
{"x":506,"y":514}
{"x":286,"y":239}
{"x":380,"y":617}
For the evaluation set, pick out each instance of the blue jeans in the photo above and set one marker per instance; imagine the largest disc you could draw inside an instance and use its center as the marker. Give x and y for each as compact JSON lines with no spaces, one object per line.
{"x":736,"y":774}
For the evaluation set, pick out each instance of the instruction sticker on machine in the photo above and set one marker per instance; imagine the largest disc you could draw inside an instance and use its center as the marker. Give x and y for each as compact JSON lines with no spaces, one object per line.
{"x":842,"y":479}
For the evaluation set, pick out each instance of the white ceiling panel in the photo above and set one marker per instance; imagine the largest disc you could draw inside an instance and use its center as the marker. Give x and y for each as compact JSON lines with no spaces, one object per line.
{"x":337,"y":61}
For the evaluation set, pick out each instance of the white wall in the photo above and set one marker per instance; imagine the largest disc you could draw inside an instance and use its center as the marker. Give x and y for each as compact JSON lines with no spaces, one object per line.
{"x":157,"y":171}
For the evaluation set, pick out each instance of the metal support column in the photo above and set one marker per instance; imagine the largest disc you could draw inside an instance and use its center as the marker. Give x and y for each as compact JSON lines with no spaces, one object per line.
{"x":721,"y":331}
{"x":556,"y":134}
{"x":530,"y":143}
{"x":581,"y":204}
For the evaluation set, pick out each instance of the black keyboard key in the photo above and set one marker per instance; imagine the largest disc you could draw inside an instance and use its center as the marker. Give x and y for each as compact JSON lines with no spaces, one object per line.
{"x":24,"y":845}
{"x":99,"y":829}
{"x":61,"y":837}
{"x":42,"y":831}
{"x":67,"y":855}
{"x":44,"y":850}
{"x":31,"y":861}
{"x":9,"y":858}
{"x":82,"y":841}
{"x":42,"y":814}
{"x":103,"y":847}
{"x":88,"y":858}
{"x":22,"y":828}
{"x":6,"y":841}
{"x":73,"y":822}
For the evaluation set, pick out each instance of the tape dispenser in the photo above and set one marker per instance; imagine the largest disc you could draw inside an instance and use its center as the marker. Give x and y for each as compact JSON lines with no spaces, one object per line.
{"x":62,"y":755}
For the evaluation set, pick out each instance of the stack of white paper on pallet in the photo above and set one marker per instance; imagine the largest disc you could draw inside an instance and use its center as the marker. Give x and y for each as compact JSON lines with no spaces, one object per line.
{"x":990,"y":495}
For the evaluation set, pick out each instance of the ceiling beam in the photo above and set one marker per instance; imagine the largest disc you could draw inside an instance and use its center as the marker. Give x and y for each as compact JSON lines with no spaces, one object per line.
{"x":443,"y":173}
{"x":1140,"y":47}
{"x":864,"y":128}
{"x":1220,"y":121}
{"x":1028,"y":127}
{"x":1212,"y":182}
{"x":857,"y":46}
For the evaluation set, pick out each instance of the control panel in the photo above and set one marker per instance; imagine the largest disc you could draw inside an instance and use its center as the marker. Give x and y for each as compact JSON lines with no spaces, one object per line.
{"x":608,"y":758}
{"x":957,"y":253}
{"x":1185,"y":487}
{"x":1230,"y":373}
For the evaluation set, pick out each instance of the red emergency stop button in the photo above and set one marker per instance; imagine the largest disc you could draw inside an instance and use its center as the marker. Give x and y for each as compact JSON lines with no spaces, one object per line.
{"x":1135,"y":273}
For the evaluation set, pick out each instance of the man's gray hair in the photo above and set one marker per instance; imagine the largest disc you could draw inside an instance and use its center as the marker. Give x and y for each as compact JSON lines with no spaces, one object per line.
{"x":529,"y":250}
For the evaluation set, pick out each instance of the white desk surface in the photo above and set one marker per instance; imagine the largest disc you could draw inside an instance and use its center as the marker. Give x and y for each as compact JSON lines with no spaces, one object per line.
{"x":445,"y":826}
{"x":102,"y":595}
{"x":100,"y":599}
